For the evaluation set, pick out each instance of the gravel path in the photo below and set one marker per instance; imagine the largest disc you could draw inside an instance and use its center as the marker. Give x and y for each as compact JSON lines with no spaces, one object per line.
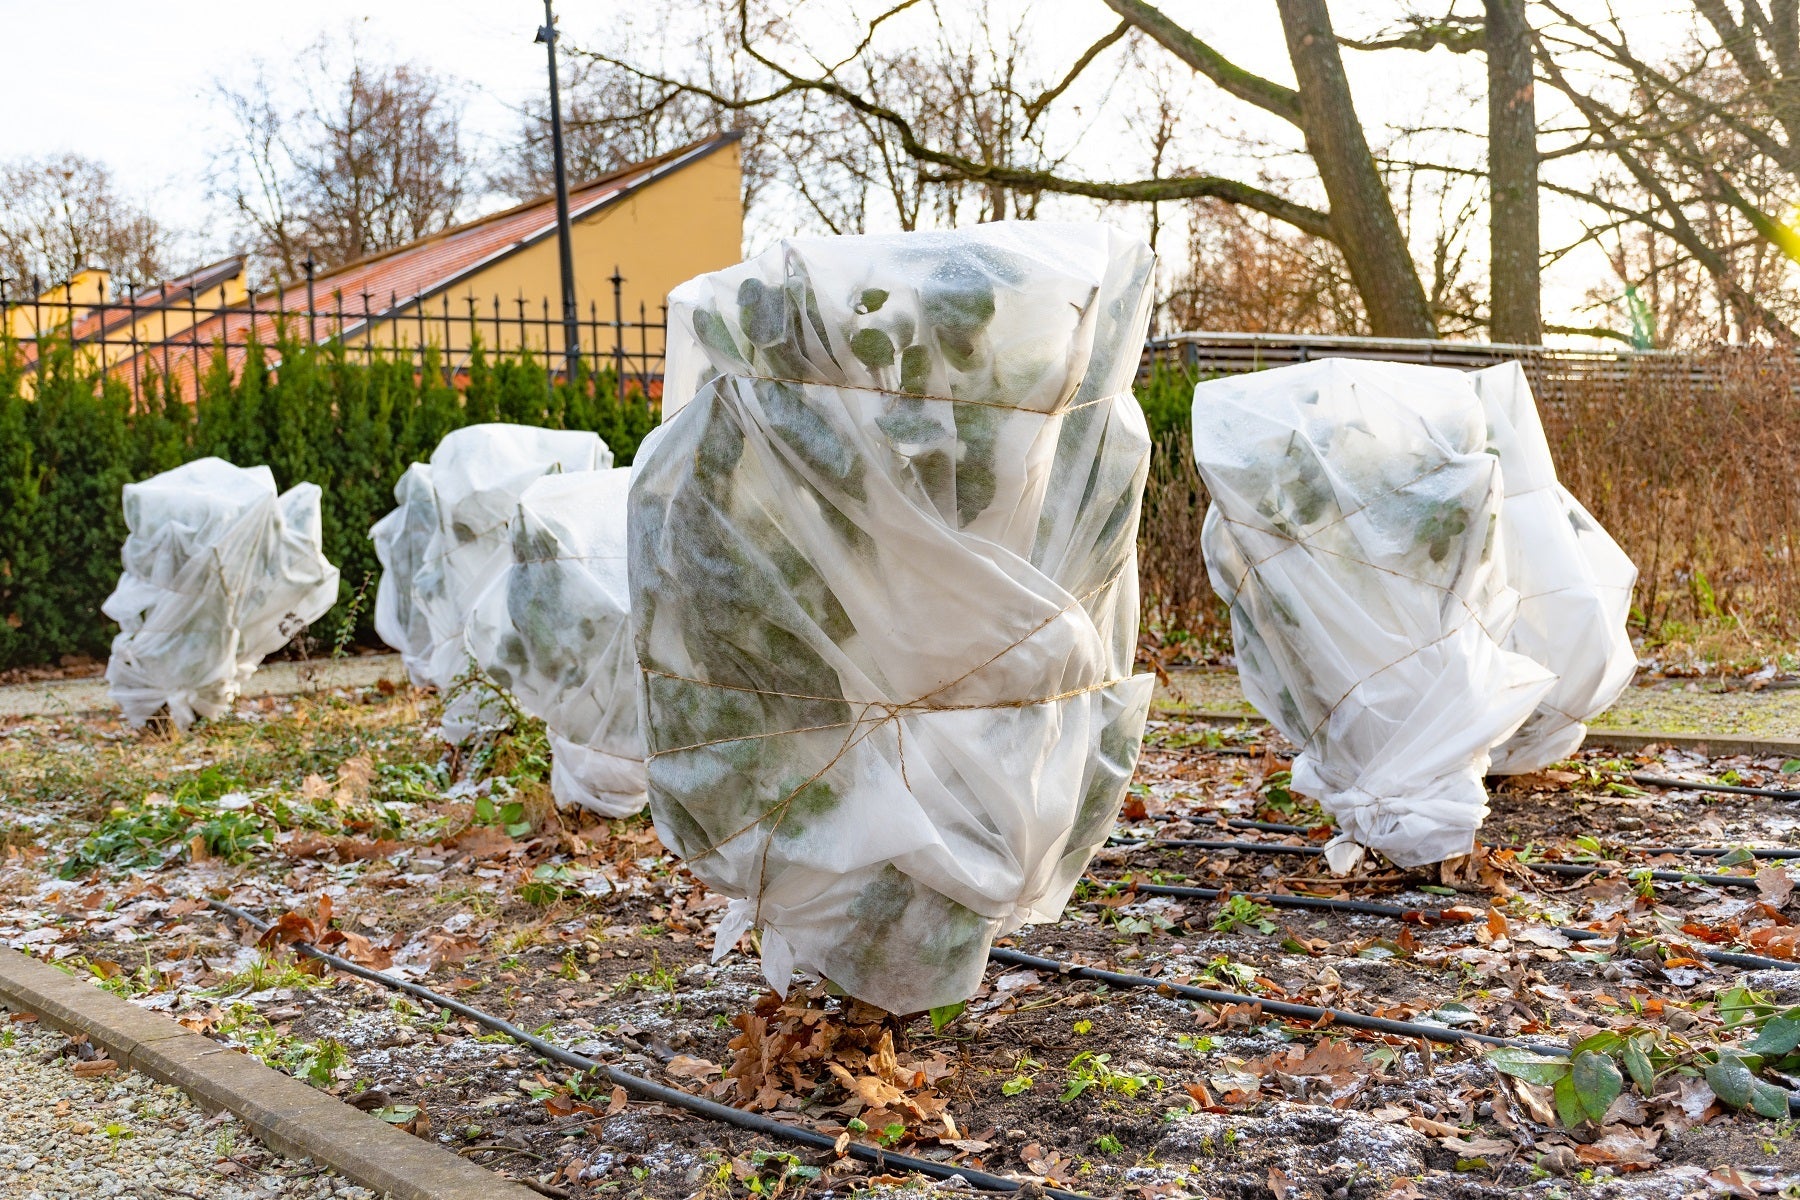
{"x":1666,"y":707}
{"x":63,"y":1137}
{"x":71,"y":697}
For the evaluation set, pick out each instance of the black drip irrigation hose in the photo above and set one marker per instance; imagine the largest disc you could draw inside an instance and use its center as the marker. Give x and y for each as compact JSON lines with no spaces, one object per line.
{"x":1280,"y":1008}
{"x":648,"y":1089}
{"x":1305,"y":1012}
{"x":1759,"y":852}
{"x":1548,"y":868}
{"x":1421,"y":916}
{"x":874,"y":1155}
{"x":1689,"y":785}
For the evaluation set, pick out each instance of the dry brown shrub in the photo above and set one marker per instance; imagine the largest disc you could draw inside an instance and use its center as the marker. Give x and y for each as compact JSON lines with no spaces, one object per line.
{"x":1694,"y":466}
{"x":1181,"y":612}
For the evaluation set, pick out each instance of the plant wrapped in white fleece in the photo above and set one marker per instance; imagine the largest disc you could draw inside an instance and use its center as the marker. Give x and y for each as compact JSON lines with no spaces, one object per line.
{"x":884,"y":586}
{"x":460,"y":539}
{"x":554,"y":629}
{"x":1355,"y":532}
{"x":400,"y":540}
{"x":219,"y":573}
{"x":1573,"y":580}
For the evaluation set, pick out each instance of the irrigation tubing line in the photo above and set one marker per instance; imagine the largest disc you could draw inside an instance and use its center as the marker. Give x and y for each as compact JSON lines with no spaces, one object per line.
{"x":874,"y":1155}
{"x":1284,"y":1008}
{"x":1689,"y":785}
{"x":1421,"y":916}
{"x":1576,"y":869}
{"x":648,"y":1089}
{"x":1648,"y":780}
{"x":1768,"y":852}
{"x":1281,"y":1008}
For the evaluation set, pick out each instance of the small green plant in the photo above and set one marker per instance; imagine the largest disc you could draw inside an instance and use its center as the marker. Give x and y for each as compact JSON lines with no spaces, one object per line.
{"x":1089,"y":1070}
{"x":657,"y":979}
{"x":1106,"y":1143}
{"x":1022,"y":1078}
{"x":1083,"y":1027}
{"x":549,"y":883}
{"x":1241,"y":912}
{"x":115,"y":1133}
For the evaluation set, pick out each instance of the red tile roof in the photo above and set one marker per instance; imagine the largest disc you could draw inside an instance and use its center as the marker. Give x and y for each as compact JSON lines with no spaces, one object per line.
{"x":397,"y":283}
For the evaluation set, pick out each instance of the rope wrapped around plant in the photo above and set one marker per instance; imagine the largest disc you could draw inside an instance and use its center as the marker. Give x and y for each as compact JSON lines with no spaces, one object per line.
{"x":884,"y":591}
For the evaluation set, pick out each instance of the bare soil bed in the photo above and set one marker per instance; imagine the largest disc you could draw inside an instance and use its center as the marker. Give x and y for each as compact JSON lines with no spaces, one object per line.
{"x":340,"y":817}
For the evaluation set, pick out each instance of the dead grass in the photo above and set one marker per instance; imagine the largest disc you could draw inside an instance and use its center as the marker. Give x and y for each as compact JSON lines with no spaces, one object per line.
{"x":1693,"y":466}
{"x":1696,"y":471}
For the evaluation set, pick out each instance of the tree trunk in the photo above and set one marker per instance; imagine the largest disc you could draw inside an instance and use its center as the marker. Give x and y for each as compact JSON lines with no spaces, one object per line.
{"x":1512,"y":177}
{"x":1362,"y":213}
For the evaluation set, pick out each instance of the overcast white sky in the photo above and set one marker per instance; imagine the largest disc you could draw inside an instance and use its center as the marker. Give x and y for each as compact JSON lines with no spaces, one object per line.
{"x":131,"y":83}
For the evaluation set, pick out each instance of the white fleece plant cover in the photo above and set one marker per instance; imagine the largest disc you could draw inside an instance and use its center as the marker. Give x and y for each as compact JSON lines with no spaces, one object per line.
{"x":219,"y":573}
{"x":1573,"y":580}
{"x":1355,"y":532}
{"x":476,"y":476}
{"x":400,"y":540}
{"x":884,"y":586}
{"x":554,"y":629}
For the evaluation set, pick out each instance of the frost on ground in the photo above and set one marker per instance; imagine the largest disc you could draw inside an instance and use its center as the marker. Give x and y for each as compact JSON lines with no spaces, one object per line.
{"x":339,"y":815}
{"x":73,"y":1128}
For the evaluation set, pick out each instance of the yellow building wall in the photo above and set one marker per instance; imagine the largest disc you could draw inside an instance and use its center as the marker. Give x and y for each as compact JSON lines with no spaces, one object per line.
{"x":81,"y":297}
{"x":687,"y":223}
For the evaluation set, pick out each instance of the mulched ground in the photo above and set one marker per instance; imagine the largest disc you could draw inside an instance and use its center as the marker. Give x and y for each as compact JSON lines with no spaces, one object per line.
{"x":339,"y":812}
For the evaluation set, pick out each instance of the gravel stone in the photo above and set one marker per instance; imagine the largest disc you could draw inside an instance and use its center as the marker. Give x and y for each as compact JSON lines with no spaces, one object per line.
{"x":123,"y":1136}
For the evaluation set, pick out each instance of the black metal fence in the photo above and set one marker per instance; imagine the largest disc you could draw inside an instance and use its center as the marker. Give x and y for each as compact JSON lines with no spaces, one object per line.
{"x":175,"y":332}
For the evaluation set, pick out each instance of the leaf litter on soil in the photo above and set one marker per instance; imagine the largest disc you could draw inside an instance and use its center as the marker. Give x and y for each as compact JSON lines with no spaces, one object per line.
{"x":452,"y":869}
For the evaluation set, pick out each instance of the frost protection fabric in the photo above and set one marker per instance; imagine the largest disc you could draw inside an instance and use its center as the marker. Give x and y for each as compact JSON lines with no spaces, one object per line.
{"x":884,"y":587}
{"x":1574,"y":582}
{"x":554,"y":629}
{"x":219,"y":573}
{"x":1355,"y":533}
{"x":458,"y":541}
{"x":400,"y":540}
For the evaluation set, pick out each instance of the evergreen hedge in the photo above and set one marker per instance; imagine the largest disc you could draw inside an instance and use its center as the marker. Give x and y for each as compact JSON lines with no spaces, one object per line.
{"x":349,"y":421}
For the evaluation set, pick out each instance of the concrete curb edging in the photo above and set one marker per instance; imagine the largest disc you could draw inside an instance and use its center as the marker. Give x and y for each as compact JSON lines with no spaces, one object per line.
{"x":284,"y":1113}
{"x":1713,"y":744}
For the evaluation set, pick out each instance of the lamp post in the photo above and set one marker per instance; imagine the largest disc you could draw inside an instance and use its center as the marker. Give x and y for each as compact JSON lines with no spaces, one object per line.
{"x":565,"y":249}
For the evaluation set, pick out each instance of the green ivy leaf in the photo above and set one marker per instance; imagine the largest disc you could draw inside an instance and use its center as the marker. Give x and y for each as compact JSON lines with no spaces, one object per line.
{"x":1527,"y":1065}
{"x":944,"y":1014}
{"x":1637,"y":1062}
{"x":1735,"y":1084}
{"x":871,"y":300}
{"x":1595,"y":1082}
{"x":1780,"y":1036}
{"x":873,"y":347}
{"x":915,"y":369}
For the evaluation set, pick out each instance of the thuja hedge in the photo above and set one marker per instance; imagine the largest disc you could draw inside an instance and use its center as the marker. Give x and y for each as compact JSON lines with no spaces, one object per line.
{"x":70,"y":439}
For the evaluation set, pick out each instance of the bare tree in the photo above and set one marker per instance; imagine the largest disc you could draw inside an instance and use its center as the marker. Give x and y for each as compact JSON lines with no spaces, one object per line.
{"x":1246,"y":272}
{"x":371,"y":158}
{"x":1704,"y":146}
{"x":1513,"y":225}
{"x":1361,"y":221}
{"x":63,"y":212}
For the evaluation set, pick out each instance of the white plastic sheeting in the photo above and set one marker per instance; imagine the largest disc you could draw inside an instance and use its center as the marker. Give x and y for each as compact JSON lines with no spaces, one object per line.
{"x":453,"y":531}
{"x":219,"y":572}
{"x":1574,"y":582}
{"x":1355,"y":531}
{"x":884,"y":584}
{"x":554,"y":629}
{"x":400,"y":540}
